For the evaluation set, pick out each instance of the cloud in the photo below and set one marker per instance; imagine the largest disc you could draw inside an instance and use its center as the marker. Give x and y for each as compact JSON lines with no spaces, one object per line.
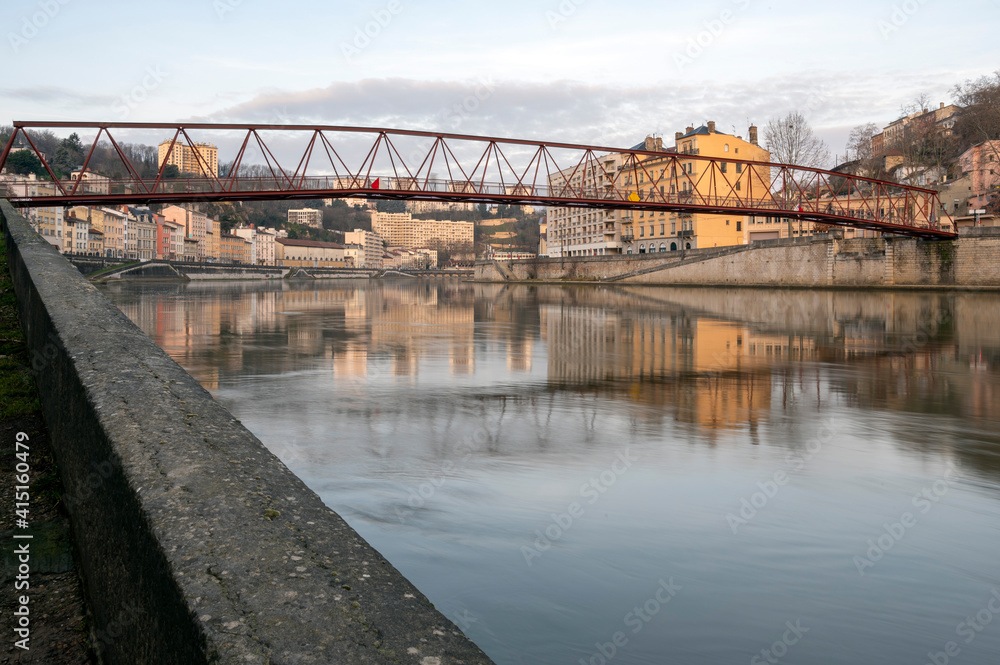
{"x":578,"y":112}
{"x":63,"y":97}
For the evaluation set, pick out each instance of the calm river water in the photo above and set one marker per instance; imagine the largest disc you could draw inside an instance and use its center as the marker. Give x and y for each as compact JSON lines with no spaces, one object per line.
{"x":636,"y":475}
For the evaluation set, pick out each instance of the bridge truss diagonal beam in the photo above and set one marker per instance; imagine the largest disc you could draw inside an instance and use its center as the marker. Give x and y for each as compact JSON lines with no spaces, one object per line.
{"x":378,"y":163}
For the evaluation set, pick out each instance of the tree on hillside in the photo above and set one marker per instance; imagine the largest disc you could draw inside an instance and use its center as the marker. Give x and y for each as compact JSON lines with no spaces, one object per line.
{"x":859,"y":149}
{"x":69,"y":155}
{"x":391,"y":206}
{"x":24,"y":162}
{"x":979,"y":119}
{"x":791,"y":140}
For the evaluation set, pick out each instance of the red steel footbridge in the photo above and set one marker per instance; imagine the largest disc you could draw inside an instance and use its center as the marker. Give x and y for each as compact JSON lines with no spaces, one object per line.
{"x":318,"y":162}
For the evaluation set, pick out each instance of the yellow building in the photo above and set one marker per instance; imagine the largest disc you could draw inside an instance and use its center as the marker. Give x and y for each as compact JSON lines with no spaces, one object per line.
{"x":193,"y":160}
{"x":646,"y":232}
{"x":233,"y":249}
{"x":49,"y":223}
{"x":399,"y":229}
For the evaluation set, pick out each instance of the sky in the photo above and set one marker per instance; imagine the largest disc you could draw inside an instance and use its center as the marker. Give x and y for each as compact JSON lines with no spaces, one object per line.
{"x":579,"y":71}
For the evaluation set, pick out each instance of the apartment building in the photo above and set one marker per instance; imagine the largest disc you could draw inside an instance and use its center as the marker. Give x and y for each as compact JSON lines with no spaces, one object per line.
{"x":588,"y":231}
{"x":399,"y":229}
{"x":143,"y":226}
{"x":981,"y":164}
{"x":233,"y":249}
{"x":200,"y":160}
{"x":48,"y":221}
{"x":196,"y":227}
{"x":262,"y":250}
{"x":95,"y":242}
{"x":371,"y":248}
{"x":169,"y":239}
{"x":306,"y":217}
{"x":940,"y":121}
{"x":265,"y":247}
{"x":90,"y":182}
{"x":646,"y":232}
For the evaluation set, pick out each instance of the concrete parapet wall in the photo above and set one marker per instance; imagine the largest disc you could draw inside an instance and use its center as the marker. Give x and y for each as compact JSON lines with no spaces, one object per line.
{"x":972,"y":261}
{"x":195,"y":543}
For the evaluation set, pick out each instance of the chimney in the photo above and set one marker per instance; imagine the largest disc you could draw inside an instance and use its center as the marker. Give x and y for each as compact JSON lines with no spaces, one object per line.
{"x":677,"y":135}
{"x":711,"y":126}
{"x":942,"y":105}
{"x":753,"y":134}
{"x":689,"y":130}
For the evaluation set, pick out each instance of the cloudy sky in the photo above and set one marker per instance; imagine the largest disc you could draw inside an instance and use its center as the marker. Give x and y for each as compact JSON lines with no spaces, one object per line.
{"x":583,"y":71}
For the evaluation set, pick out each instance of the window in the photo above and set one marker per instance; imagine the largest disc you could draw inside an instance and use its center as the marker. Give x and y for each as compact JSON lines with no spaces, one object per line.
{"x":727,"y":222}
{"x":673,"y":247}
{"x":738,"y":185}
{"x":739,"y":168}
{"x":725,"y":148}
{"x":663,"y":247}
{"x":661,"y":229}
{"x":723,"y":167}
{"x":739,"y":225}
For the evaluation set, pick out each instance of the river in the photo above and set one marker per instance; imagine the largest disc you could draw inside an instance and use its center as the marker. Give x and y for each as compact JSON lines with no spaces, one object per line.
{"x":633,"y":475}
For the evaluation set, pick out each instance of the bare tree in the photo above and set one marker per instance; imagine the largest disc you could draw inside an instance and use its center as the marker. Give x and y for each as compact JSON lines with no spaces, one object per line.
{"x":860,"y":150}
{"x":979,"y":123}
{"x":979,"y":119}
{"x":791,"y":140}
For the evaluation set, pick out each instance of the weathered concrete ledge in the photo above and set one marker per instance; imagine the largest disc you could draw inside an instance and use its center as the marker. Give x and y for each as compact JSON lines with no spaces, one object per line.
{"x":971,"y":261}
{"x":196,"y":544}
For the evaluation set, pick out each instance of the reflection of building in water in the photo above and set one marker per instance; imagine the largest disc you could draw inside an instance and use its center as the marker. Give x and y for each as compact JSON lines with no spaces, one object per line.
{"x":519,"y":354}
{"x":717,"y":373}
{"x":354,"y":327}
{"x":397,"y":322}
{"x":352,"y":360}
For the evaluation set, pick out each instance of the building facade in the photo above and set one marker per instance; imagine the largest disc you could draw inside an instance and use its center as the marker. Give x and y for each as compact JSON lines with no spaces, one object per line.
{"x":306,"y":217}
{"x":981,"y":164}
{"x":233,"y":249}
{"x":399,"y":229}
{"x":195,"y":224}
{"x":588,"y":231}
{"x":648,"y":231}
{"x":371,"y":244}
{"x":200,"y":160}
{"x":309,"y":254}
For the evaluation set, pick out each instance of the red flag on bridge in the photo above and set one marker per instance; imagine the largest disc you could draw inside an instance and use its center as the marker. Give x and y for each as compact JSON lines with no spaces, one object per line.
{"x":375,"y":183}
